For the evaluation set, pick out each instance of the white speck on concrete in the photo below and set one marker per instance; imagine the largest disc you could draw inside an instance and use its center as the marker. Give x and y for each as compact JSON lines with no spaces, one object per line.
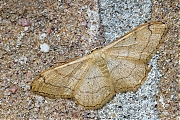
{"x":42,"y":36}
{"x":23,"y":60}
{"x":39,"y":99}
{"x":161,"y":100}
{"x":20,"y":36}
{"x":44,"y":47}
{"x":26,"y":28}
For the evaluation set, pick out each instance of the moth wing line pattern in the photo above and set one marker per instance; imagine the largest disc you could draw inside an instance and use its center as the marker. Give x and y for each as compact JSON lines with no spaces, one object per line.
{"x":94,"y":90}
{"x":132,"y":63}
{"x":151,"y":28}
{"x":54,"y":82}
{"x":94,"y":79}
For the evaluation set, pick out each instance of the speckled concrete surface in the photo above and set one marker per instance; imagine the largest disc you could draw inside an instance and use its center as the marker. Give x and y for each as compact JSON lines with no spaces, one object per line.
{"x":35,"y":35}
{"x":121,"y":16}
{"x":39,"y":34}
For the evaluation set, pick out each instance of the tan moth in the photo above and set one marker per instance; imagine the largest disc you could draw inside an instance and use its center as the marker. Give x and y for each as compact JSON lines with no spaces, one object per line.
{"x":94,"y":79}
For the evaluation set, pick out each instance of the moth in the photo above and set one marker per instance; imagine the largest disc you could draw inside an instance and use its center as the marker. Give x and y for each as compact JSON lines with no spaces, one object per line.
{"x":94,"y":79}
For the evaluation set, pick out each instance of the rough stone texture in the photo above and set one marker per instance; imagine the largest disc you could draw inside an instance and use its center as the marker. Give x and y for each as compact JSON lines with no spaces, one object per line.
{"x":169,"y":87}
{"x":69,"y":28}
{"x":121,"y":16}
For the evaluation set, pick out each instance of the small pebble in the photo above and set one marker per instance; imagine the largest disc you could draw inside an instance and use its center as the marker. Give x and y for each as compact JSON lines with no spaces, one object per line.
{"x":44,"y":47}
{"x":29,"y":73}
{"x":26,"y":28}
{"x":25,"y":22}
{"x":48,"y":30}
{"x":13,"y":89}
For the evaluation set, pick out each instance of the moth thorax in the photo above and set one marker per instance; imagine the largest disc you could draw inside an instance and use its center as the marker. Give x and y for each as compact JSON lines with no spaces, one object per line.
{"x":101,"y":63}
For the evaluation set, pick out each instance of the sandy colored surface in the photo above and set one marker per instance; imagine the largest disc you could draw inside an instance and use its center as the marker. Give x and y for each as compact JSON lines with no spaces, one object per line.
{"x":169,"y":92}
{"x":69,"y":29}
